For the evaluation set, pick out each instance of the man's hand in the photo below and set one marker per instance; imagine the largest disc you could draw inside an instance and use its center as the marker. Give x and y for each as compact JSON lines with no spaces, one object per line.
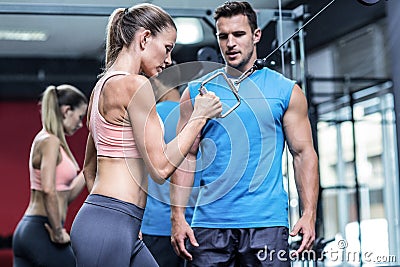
{"x":180,"y":232}
{"x":306,"y":227}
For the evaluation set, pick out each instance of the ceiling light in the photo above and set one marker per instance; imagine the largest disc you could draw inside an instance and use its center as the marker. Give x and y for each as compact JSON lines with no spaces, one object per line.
{"x":22,"y":35}
{"x":190,"y":30}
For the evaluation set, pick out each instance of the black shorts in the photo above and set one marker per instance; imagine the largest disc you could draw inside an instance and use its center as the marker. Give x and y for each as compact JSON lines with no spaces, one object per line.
{"x":162,"y":250}
{"x":240,"y":247}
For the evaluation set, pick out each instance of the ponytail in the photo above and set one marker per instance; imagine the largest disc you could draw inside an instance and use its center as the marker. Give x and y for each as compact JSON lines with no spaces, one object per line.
{"x":52,"y":120}
{"x":115,"y":41}
{"x":51,"y":113}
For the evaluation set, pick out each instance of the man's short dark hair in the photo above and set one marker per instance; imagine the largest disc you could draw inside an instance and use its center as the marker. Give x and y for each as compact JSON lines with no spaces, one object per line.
{"x":229,"y":9}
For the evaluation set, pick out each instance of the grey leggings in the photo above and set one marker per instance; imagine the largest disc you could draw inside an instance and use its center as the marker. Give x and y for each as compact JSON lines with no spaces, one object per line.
{"x":105,"y":233}
{"x":32,"y":245}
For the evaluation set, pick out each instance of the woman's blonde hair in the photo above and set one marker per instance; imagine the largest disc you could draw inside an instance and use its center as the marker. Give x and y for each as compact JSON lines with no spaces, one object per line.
{"x":123,"y":24}
{"x":52,"y":99}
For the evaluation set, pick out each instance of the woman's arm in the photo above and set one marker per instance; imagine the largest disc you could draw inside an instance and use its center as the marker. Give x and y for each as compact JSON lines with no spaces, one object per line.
{"x":76,"y":187}
{"x":50,"y":150}
{"x":90,"y":163}
{"x":162,"y":159}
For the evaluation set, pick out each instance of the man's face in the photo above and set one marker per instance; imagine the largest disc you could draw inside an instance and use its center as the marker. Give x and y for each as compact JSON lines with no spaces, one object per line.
{"x":237,"y":42}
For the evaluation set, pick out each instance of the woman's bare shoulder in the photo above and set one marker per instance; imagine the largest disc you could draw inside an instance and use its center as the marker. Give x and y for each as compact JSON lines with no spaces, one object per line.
{"x":51,"y":139}
{"x":46,"y":141}
{"x":127,"y":85}
{"x":120,"y":90}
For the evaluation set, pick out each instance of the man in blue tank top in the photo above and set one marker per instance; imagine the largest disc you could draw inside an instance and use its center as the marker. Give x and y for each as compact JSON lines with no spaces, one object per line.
{"x":241,"y":214}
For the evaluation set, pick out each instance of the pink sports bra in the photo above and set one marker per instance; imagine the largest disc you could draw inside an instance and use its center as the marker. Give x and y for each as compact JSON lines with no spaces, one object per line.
{"x":66,"y":171}
{"x":111,"y":140}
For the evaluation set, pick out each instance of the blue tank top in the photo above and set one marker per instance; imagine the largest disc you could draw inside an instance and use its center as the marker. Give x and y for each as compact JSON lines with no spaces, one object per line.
{"x":241,"y":183}
{"x":156,"y":218}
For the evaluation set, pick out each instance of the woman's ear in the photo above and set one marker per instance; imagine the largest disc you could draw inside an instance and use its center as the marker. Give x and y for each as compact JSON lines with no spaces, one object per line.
{"x":64,"y":110}
{"x":144,"y":38}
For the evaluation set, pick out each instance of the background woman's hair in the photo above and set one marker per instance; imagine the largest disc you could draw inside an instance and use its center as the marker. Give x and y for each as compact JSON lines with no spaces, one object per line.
{"x":234,"y":8}
{"x":124,"y":23}
{"x":52,"y":100}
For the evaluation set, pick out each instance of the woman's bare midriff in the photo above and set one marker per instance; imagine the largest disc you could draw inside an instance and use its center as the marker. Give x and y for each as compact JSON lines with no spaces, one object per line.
{"x":37,"y":207}
{"x":121,"y":178}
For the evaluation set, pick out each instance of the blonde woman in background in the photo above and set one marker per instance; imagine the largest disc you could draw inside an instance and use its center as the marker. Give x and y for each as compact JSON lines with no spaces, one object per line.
{"x":40,"y":238}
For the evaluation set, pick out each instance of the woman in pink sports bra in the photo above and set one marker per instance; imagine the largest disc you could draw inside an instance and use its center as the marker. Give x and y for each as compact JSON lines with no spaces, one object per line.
{"x":40,"y":238}
{"x":125,"y":141}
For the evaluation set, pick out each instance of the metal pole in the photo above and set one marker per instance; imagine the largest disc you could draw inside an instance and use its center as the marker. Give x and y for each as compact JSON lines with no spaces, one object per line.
{"x":303,"y":74}
{"x":357,"y":185}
